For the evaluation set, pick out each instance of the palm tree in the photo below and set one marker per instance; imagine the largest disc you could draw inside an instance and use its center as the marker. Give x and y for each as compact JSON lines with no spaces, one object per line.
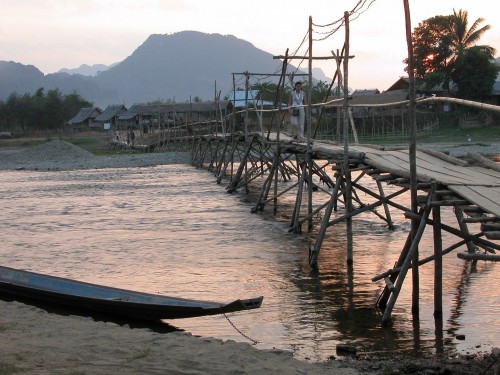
{"x":464,"y":38}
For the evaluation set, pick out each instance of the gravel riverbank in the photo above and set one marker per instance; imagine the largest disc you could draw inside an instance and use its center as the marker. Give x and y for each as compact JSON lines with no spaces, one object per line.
{"x":61,"y":155}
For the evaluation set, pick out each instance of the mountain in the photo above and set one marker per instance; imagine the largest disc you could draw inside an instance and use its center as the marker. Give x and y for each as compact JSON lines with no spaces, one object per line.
{"x":16,"y":77}
{"x":176,"y":66}
{"x":86,"y":70}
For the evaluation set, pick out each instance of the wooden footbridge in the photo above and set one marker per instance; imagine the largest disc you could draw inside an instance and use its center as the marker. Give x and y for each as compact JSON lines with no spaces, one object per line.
{"x":276,"y":164}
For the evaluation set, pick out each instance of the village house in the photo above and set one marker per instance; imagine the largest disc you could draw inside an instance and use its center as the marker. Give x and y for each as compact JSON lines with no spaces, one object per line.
{"x":107,"y":120}
{"x":84,"y":119}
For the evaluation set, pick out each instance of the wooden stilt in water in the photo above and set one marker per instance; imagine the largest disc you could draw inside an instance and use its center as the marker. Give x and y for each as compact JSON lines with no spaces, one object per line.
{"x":386,"y":318}
{"x":241,"y":168}
{"x":463,"y":227}
{"x":345,"y":165}
{"x":315,"y":249}
{"x":309,"y":161}
{"x":386,"y":207}
{"x":267,"y":185}
{"x":298,"y":200}
{"x":386,"y":293}
{"x":412,"y":156}
{"x":438,"y":263}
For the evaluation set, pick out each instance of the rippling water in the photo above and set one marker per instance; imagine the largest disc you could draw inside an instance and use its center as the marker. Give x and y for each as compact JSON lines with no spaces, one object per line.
{"x":173,"y":230}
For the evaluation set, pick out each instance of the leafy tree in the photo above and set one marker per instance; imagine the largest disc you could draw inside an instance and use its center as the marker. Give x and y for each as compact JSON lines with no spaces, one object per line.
{"x":319,"y":92}
{"x":440,"y":42}
{"x":432,"y":51}
{"x":71,"y":104}
{"x":40,"y":111}
{"x":268,"y":91}
{"x":474,"y":73}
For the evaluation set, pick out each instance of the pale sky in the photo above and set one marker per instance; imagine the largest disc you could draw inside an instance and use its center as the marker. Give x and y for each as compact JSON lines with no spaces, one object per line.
{"x":55,"y":34}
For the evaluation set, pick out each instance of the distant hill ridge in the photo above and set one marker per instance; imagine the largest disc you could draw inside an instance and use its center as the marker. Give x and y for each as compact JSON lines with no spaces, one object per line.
{"x":176,"y":66}
{"x":86,"y":70}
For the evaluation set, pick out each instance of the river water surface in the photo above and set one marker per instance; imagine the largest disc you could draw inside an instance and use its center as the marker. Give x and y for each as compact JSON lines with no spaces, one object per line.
{"x":172,"y":230}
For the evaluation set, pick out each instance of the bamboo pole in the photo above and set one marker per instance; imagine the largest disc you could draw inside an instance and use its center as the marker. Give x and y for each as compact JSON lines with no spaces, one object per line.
{"x":438,"y":263}
{"x":463,"y":227}
{"x":345,"y":164}
{"x":298,"y":201}
{"x":412,"y":153}
{"x":279,"y":99}
{"x":309,"y":134}
{"x":409,"y":260}
{"x":315,"y":249}
{"x":386,"y":207}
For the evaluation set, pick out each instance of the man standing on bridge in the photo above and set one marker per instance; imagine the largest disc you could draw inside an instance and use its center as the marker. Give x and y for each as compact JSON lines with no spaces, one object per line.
{"x":297,"y":101}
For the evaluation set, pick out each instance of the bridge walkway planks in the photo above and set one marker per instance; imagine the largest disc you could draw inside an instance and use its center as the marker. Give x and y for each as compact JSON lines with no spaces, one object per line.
{"x":478,"y":185}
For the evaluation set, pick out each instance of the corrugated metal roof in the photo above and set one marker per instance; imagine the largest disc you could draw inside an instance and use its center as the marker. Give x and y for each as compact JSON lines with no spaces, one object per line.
{"x":238,"y":96}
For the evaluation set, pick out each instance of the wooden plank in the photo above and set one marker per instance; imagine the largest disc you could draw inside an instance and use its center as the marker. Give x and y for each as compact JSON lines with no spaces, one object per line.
{"x":449,"y":173}
{"x":430,"y":167}
{"x":488,"y":198}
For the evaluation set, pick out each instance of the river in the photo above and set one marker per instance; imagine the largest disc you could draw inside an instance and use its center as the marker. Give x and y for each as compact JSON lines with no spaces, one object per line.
{"x":173,"y":230}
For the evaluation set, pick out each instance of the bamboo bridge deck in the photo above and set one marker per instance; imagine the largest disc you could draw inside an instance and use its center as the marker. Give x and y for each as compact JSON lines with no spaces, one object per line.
{"x":477,"y":185}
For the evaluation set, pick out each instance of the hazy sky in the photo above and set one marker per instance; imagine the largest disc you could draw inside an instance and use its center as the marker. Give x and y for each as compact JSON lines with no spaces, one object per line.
{"x":52,"y":34}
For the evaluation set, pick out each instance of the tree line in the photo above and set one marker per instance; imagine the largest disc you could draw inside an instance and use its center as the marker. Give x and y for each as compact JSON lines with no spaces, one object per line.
{"x":39,"y":111}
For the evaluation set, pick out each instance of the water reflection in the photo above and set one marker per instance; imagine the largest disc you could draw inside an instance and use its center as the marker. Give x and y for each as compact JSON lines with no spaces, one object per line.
{"x":173,"y":230}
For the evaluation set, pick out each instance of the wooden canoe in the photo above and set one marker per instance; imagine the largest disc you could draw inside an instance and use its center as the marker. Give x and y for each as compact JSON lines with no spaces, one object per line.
{"x":109,"y":300}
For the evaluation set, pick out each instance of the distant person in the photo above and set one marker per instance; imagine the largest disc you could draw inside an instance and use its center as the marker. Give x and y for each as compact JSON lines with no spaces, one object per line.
{"x":297,"y":101}
{"x":132,"y":136}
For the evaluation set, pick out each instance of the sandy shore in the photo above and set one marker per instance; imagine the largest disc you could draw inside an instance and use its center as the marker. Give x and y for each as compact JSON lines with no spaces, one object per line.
{"x":34,"y":341}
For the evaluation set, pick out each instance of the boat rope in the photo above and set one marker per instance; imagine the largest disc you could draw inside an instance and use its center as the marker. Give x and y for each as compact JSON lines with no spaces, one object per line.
{"x":254,"y":342}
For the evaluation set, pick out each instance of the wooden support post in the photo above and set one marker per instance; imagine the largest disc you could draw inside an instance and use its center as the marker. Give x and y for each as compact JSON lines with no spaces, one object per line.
{"x":353,"y":127}
{"x":345,"y":165}
{"x":298,"y":200}
{"x":386,"y":207}
{"x":276,"y":175}
{"x":410,"y":258}
{"x":278,"y":128}
{"x":309,"y":133}
{"x":259,"y":206}
{"x":438,"y":263}
{"x":386,"y":293}
{"x":314,"y":250}
{"x":463,"y":227}
{"x":243,"y":166}
{"x":412,"y":151}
